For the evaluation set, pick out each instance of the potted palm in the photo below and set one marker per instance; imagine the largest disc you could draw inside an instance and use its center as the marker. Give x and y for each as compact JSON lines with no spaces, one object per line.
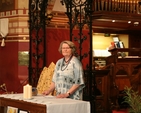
{"x":133,"y":99}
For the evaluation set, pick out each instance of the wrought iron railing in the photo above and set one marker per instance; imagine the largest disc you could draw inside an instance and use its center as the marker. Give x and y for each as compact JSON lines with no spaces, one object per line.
{"x":37,"y":35}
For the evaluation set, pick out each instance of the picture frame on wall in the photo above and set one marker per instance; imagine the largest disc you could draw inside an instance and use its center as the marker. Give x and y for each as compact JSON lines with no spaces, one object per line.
{"x":12,"y":109}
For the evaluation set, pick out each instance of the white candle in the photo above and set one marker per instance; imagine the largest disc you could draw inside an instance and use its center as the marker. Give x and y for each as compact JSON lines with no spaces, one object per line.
{"x":27,"y":92}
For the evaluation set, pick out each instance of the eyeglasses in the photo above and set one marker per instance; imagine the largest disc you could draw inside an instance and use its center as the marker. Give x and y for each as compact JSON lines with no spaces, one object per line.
{"x":66,"y":48}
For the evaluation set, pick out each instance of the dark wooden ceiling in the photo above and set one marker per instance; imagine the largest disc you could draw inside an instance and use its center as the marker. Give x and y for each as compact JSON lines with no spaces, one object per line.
{"x":104,"y":21}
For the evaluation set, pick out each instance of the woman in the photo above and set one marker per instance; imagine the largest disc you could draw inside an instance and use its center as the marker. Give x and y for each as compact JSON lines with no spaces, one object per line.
{"x":68,"y":75}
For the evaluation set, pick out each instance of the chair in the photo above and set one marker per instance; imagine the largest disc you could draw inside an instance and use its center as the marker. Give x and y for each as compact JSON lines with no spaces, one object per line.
{"x":45,"y":79}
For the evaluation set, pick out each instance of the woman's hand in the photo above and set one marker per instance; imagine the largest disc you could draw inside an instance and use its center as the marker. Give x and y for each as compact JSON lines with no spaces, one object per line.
{"x":64,"y":95}
{"x":47,"y":92}
{"x":52,"y":87}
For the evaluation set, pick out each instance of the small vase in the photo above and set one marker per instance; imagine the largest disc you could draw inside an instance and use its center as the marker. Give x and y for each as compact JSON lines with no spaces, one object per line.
{"x":34,"y":91}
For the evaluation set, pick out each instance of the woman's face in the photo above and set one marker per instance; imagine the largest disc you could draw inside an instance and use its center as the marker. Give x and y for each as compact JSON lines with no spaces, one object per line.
{"x":66,"y":50}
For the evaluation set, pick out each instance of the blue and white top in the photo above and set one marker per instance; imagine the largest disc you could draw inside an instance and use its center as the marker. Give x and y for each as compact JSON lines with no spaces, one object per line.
{"x":67,"y":75}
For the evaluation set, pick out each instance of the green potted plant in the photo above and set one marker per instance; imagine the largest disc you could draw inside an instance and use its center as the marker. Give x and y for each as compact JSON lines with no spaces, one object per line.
{"x":133,"y":99}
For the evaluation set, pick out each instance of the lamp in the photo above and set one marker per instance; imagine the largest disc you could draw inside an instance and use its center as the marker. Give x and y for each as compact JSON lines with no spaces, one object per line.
{"x":3,"y":40}
{"x":3,"y":43}
{"x":3,"y":29}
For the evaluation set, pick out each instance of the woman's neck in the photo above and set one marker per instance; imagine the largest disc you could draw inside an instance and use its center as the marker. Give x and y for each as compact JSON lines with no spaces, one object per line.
{"x":67,"y":58}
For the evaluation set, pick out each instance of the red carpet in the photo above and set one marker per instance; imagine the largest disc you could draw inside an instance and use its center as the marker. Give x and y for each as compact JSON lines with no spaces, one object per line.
{"x":120,"y":111}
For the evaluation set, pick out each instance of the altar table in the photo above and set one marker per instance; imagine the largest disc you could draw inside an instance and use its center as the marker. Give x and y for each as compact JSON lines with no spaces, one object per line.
{"x":44,"y":104}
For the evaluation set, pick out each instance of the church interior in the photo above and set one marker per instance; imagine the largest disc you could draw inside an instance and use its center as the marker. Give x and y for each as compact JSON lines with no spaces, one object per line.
{"x":108,"y":38}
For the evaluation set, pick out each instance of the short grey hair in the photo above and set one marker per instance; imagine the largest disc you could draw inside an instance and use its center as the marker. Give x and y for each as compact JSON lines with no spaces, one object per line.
{"x":71,"y":45}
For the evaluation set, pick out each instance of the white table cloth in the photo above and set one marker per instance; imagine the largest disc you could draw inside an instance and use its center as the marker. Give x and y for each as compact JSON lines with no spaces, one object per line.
{"x":55,"y":105}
